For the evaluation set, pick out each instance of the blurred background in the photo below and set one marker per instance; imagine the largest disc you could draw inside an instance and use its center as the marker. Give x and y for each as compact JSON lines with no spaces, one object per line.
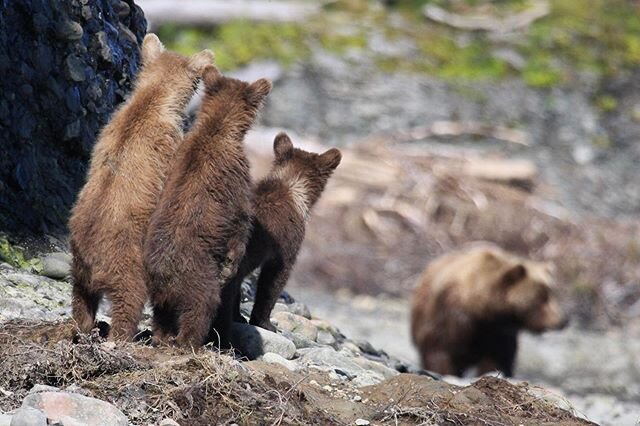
{"x":513,"y":121}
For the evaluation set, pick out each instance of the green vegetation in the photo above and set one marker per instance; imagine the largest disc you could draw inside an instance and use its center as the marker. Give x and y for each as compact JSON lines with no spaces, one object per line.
{"x":600,"y":38}
{"x":14,"y":256}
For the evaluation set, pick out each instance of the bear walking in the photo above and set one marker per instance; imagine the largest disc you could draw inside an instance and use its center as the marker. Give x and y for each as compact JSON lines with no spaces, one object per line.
{"x":198,"y":233}
{"x":282,"y":202}
{"x":470,"y":305}
{"x":127,"y":172}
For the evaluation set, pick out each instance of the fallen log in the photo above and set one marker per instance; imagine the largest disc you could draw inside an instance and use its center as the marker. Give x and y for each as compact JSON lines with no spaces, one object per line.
{"x":207,"y":12}
{"x":516,"y":21}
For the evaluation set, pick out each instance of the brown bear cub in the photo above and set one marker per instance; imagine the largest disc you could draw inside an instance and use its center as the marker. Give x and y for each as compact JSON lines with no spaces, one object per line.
{"x":470,"y":305}
{"x":198,"y":233}
{"x":281,"y":205}
{"x":127,"y":172}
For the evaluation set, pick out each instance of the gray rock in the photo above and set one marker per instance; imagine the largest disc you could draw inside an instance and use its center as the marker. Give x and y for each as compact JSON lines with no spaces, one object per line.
{"x":272,"y":358}
{"x":56,"y":265}
{"x":254,"y":341}
{"x":295,"y":324}
{"x":325,"y":338}
{"x":169,"y":422}
{"x":300,"y":309}
{"x":299,"y":340}
{"x":69,"y":30}
{"x":74,"y":68}
{"x":43,"y":388}
{"x":358,"y":370}
{"x":5,"y":419}
{"x":28,"y":416}
{"x":71,"y":408}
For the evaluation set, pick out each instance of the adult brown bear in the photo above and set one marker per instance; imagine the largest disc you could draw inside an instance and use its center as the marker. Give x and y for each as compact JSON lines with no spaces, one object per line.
{"x":470,"y":305}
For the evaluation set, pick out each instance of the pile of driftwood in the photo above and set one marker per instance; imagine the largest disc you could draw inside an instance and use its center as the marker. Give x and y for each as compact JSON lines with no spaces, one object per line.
{"x":395,"y":203}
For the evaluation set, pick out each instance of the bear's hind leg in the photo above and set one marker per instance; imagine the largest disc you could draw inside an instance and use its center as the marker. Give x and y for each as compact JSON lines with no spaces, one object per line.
{"x":85,"y":302}
{"x":273,"y":278}
{"x":128,"y":295}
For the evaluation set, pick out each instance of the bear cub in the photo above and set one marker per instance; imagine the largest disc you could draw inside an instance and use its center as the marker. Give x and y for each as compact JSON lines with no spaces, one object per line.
{"x":281,"y":204}
{"x":198,"y":233}
{"x":470,"y":305}
{"x":127,"y":172}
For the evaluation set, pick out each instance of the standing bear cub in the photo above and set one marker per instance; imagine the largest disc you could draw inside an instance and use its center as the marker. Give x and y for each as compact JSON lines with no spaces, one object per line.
{"x":128,"y":168}
{"x":470,"y":305}
{"x":281,"y":205}
{"x":198,"y":233}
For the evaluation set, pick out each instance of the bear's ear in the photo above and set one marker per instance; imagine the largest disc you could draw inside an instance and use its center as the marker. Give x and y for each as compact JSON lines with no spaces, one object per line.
{"x":282,"y":146}
{"x":200,"y":60}
{"x":514,"y":275}
{"x":258,"y":91}
{"x":331,"y":158}
{"x":151,"y":48}
{"x":210,"y":76}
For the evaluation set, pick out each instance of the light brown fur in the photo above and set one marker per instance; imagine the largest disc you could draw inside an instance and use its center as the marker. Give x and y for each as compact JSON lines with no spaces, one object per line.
{"x":127,"y":172}
{"x":470,"y":305}
{"x":198,"y":233}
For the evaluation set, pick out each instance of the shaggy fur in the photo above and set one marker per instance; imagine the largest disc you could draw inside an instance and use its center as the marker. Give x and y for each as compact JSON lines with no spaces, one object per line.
{"x":470,"y":305}
{"x":282,"y":202}
{"x":127,"y":172}
{"x":198,"y":233}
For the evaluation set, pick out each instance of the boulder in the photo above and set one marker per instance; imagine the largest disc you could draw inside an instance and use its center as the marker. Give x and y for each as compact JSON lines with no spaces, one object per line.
{"x":66,"y":65}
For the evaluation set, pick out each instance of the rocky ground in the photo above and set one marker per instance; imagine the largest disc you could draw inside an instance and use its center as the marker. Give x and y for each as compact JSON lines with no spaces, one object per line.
{"x":308,"y":372}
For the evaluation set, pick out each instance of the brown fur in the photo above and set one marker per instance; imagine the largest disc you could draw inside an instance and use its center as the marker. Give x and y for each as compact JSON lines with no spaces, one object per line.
{"x":470,"y":305}
{"x":198,"y":233}
{"x":127,"y":172}
{"x":282,"y":202}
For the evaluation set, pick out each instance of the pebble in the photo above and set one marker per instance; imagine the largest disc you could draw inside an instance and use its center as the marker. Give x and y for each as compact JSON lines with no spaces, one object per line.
{"x":56,"y":265}
{"x":169,"y":422}
{"x":296,"y":324}
{"x":5,"y":419}
{"x":69,"y":30}
{"x":362,"y":422}
{"x":74,"y":407}
{"x":274,"y":358}
{"x":28,"y":416}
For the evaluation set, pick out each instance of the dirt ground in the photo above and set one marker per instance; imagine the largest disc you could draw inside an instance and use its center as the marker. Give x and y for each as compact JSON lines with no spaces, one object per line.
{"x":206,"y":387}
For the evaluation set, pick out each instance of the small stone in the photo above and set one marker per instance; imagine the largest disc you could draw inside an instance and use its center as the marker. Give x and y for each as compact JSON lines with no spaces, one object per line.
{"x":254,"y":341}
{"x":362,"y":422}
{"x":74,"y":67}
{"x":69,"y":30}
{"x":300,"y":309}
{"x":169,"y":422}
{"x":103,"y":46}
{"x":356,"y":398}
{"x":325,"y":338}
{"x":122,"y":9}
{"x":5,"y":419}
{"x":327,"y":388}
{"x":299,"y":340}
{"x":74,"y":407}
{"x":272,"y":358}
{"x":28,"y":416}
{"x":296,"y":324}
{"x":56,"y":265}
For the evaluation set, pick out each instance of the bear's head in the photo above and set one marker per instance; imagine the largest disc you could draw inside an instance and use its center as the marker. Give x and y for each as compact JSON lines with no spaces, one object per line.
{"x":231,"y":104}
{"x":169,"y":69}
{"x":306,"y":173}
{"x":528,"y":295}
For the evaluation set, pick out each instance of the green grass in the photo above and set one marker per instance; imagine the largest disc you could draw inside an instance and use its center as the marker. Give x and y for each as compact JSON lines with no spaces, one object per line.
{"x":601,"y":38}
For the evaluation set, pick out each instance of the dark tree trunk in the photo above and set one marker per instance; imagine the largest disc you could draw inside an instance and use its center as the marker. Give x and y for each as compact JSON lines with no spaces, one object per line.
{"x":64,"y":67}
